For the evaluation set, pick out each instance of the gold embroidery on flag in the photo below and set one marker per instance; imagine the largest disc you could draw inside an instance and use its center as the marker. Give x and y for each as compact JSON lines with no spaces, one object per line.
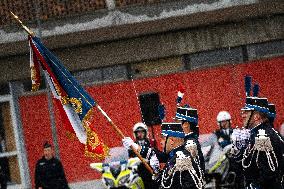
{"x":58,"y":89}
{"x":35,"y":87}
{"x":64,"y":100}
{"x":35,"y":80}
{"x":93,"y":141}
{"x":76,"y":104}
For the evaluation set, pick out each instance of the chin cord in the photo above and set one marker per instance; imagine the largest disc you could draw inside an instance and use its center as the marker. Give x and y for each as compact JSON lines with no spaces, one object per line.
{"x":247,"y":125}
{"x":165,"y":147}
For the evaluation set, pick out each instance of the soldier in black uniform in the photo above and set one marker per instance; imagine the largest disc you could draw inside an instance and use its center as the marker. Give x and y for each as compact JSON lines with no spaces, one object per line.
{"x":189,"y":119}
{"x":49,"y":173}
{"x":182,"y":169}
{"x":263,"y":157}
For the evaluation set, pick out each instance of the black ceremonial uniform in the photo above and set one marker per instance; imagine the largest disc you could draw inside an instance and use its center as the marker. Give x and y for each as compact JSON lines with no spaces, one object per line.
{"x":262,"y":162}
{"x":262,"y":154}
{"x":190,"y":115}
{"x":49,"y":174}
{"x":263,"y":157}
{"x":194,"y":137}
{"x":182,"y":169}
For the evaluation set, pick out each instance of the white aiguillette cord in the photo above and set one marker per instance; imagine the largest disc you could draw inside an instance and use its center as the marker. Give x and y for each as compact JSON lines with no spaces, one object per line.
{"x":262,"y":144}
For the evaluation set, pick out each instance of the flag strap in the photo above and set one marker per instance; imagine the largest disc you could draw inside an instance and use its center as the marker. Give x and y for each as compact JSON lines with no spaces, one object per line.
{"x":119,"y":132}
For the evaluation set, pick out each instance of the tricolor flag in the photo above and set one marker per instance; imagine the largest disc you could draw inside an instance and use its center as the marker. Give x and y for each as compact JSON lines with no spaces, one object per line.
{"x":75,"y":103}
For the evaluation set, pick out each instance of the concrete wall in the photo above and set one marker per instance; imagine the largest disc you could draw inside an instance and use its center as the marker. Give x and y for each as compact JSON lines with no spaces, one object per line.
{"x":156,"y":46}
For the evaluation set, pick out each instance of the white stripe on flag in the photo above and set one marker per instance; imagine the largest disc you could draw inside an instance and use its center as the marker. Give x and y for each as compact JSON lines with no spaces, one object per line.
{"x":70,"y":112}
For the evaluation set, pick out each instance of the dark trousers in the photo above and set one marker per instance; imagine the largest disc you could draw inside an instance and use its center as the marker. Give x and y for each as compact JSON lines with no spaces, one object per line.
{"x":3,"y":185}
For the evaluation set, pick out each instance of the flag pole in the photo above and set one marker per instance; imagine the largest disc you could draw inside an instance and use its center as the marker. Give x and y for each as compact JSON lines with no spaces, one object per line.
{"x":122,"y":136}
{"x":23,"y":26}
{"x":50,"y":105}
{"x":119,"y":132}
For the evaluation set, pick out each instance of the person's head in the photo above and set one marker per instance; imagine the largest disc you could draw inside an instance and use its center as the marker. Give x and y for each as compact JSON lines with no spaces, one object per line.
{"x":186,"y":127}
{"x":224,"y":120}
{"x":190,"y":127}
{"x":47,"y":151}
{"x":172,"y":136}
{"x":169,"y":143}
{"x":140,"y":131}
{"x":253,"y":118}
{"x":189,"y":119}
{"x":256,"y":111}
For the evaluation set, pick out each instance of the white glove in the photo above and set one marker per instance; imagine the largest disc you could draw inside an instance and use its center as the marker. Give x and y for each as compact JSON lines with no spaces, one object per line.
{"x":154,"y":163}
{"x":236,"y":138}
{"x":236,"y":134}
{"x":240,"y":138}
{"x":128,"y":142}
{"x":245,"y":137}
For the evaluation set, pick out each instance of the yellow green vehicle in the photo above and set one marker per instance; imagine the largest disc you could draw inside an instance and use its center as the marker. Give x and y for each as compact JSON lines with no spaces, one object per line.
{"x":120,"y":174}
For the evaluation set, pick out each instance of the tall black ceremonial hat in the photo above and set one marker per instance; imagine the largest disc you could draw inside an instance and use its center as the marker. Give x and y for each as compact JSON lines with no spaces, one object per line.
{"x":187,"y":113}
{"x":254,"y":102}
{"x":172,"y":129}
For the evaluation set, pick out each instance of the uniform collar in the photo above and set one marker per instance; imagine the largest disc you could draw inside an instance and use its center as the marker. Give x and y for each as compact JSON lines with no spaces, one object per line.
{"x":256,"y":128}
{"x":173,"y":152}
{"x":190,"y":135}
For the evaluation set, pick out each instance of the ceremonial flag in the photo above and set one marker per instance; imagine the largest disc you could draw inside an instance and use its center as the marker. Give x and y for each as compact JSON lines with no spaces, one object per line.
{"x":75,"y":102}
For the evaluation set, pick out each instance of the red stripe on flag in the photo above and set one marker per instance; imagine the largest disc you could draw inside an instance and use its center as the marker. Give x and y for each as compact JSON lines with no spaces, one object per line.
{"x":64,"y":119}
{"x":46,"y":67}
